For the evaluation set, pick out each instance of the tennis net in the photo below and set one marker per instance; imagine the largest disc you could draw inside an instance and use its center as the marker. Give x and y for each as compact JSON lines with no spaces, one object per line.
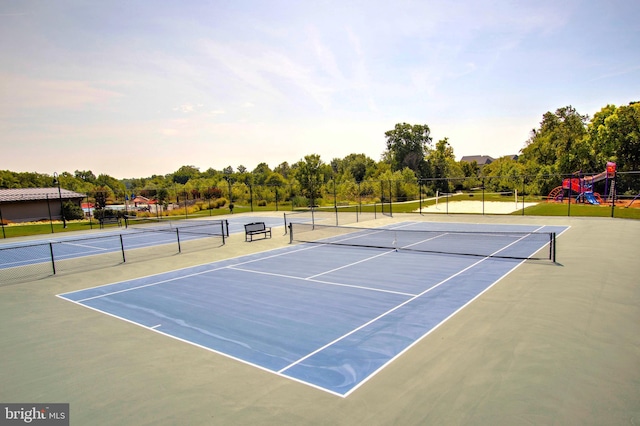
{"x":215,"y":227}
{"x":507,"y":245}
{"x":340,"y":215}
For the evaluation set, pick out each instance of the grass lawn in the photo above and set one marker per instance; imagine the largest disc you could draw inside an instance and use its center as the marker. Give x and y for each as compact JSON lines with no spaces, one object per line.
{"x":558,"y":209}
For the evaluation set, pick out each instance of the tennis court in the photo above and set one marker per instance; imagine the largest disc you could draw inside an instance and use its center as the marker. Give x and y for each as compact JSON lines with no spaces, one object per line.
{"x":333,"y":310}
{"x":141,"y":234}
{"x":548,"y":343}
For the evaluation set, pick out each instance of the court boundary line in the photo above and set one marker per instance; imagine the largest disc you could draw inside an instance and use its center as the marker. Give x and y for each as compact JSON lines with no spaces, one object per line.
{"x":355,"y":387}
{"x":223,"y":354}
{"x":379,"y":290}
{"x":283,"y":252}
{"x":397,"y":307}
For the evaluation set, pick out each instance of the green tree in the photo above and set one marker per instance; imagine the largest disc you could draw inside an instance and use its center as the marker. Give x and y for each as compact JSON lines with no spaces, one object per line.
{"x":101,"y":195}
{"x":504,"y":174}
{"x":471,"y":173}
{"x":72,"y":211}
{"x":357,"y":166}
{"x":603,"y":147}
{"x":114,"y":185}
{"x":275,"y":179}
{"x":162,"y":195}
{"x":185,"y":173}
{"x":309,"y":174}
{"x":85,"y":175}
{"x":283,"y":168}
{"x":622,"y":133}
{"x":559,"y":141}
{"x":407,"y":146}
{"x":261,"y":173}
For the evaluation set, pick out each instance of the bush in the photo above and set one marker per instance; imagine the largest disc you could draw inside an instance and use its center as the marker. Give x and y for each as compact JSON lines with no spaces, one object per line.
{"x":262,"y":203}
{"x":72,"y":211}
{"x":102,"y":213}
{"x":220,"y":202}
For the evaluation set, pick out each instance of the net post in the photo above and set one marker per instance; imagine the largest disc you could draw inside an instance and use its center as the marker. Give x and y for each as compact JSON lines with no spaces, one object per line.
{"x":222,"y":231}
{"x":552,"y":246}
{"x":178,"y":238}
{"x":124,"y":260}
{"x":53,"y":262}
{"x":285,"y":223}
{"x":290,"y":226}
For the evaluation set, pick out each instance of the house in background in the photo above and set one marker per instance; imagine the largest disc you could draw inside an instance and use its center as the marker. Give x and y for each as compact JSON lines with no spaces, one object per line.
{"x":35,"y":204}
{"x":482,"y":160}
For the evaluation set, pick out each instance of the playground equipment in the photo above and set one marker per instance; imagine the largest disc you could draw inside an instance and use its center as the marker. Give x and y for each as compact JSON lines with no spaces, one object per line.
{"x":583,"y":186}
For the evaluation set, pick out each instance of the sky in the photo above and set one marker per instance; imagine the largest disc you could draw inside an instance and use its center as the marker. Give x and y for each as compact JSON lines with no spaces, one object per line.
{"x":134,"y":88}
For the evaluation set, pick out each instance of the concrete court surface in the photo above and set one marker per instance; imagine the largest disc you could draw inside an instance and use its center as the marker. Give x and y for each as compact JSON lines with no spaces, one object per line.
{"x":548,"y":344}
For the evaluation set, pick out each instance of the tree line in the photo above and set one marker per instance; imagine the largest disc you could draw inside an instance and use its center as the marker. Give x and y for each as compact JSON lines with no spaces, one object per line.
{"x":566,"y":142}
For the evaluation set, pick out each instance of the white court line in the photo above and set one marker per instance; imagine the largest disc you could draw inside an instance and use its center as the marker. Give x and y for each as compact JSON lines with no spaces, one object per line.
{"x":84,"y":245}
{"x":304,"y":248}
{"x":321,"y":281}
{"x":395,"y":308}
{"x":182,"y":276}
{"x":311,"y":247}
{"x":373,"y":257}
{"x":351,"y":264}
{"x":155,"y":326}
{"x":244,"y":361}
{"x":259,"y":366}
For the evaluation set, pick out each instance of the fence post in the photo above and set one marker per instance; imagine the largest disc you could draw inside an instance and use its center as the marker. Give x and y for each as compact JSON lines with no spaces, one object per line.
{"x":50,"y":218}
{"x":524,"y":180}
{"x":335,"y":200}
{"x":2,"y":224}
{"x":613,"y":196}
{"x":390,"y":200}
{"x":359,"y":197}
{"x":569,"y":191}
{"x":482,"y":196}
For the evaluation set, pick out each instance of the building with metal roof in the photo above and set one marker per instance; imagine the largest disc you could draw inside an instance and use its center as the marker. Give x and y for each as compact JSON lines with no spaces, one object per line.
{"x":35,"y":204}
{"x":482,"y":160}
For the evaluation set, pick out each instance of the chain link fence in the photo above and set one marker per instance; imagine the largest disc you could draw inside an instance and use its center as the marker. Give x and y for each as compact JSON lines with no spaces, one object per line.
{"x":603,"y":194}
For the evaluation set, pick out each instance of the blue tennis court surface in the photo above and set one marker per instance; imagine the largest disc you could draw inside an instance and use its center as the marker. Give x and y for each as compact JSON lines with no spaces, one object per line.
{"x":115,"y":239}
{"x":324,"y":315}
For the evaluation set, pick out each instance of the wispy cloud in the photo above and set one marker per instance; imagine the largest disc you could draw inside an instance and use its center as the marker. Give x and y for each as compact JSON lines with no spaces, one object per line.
{"x":22,"y":92}
{"x":618,"y":72}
